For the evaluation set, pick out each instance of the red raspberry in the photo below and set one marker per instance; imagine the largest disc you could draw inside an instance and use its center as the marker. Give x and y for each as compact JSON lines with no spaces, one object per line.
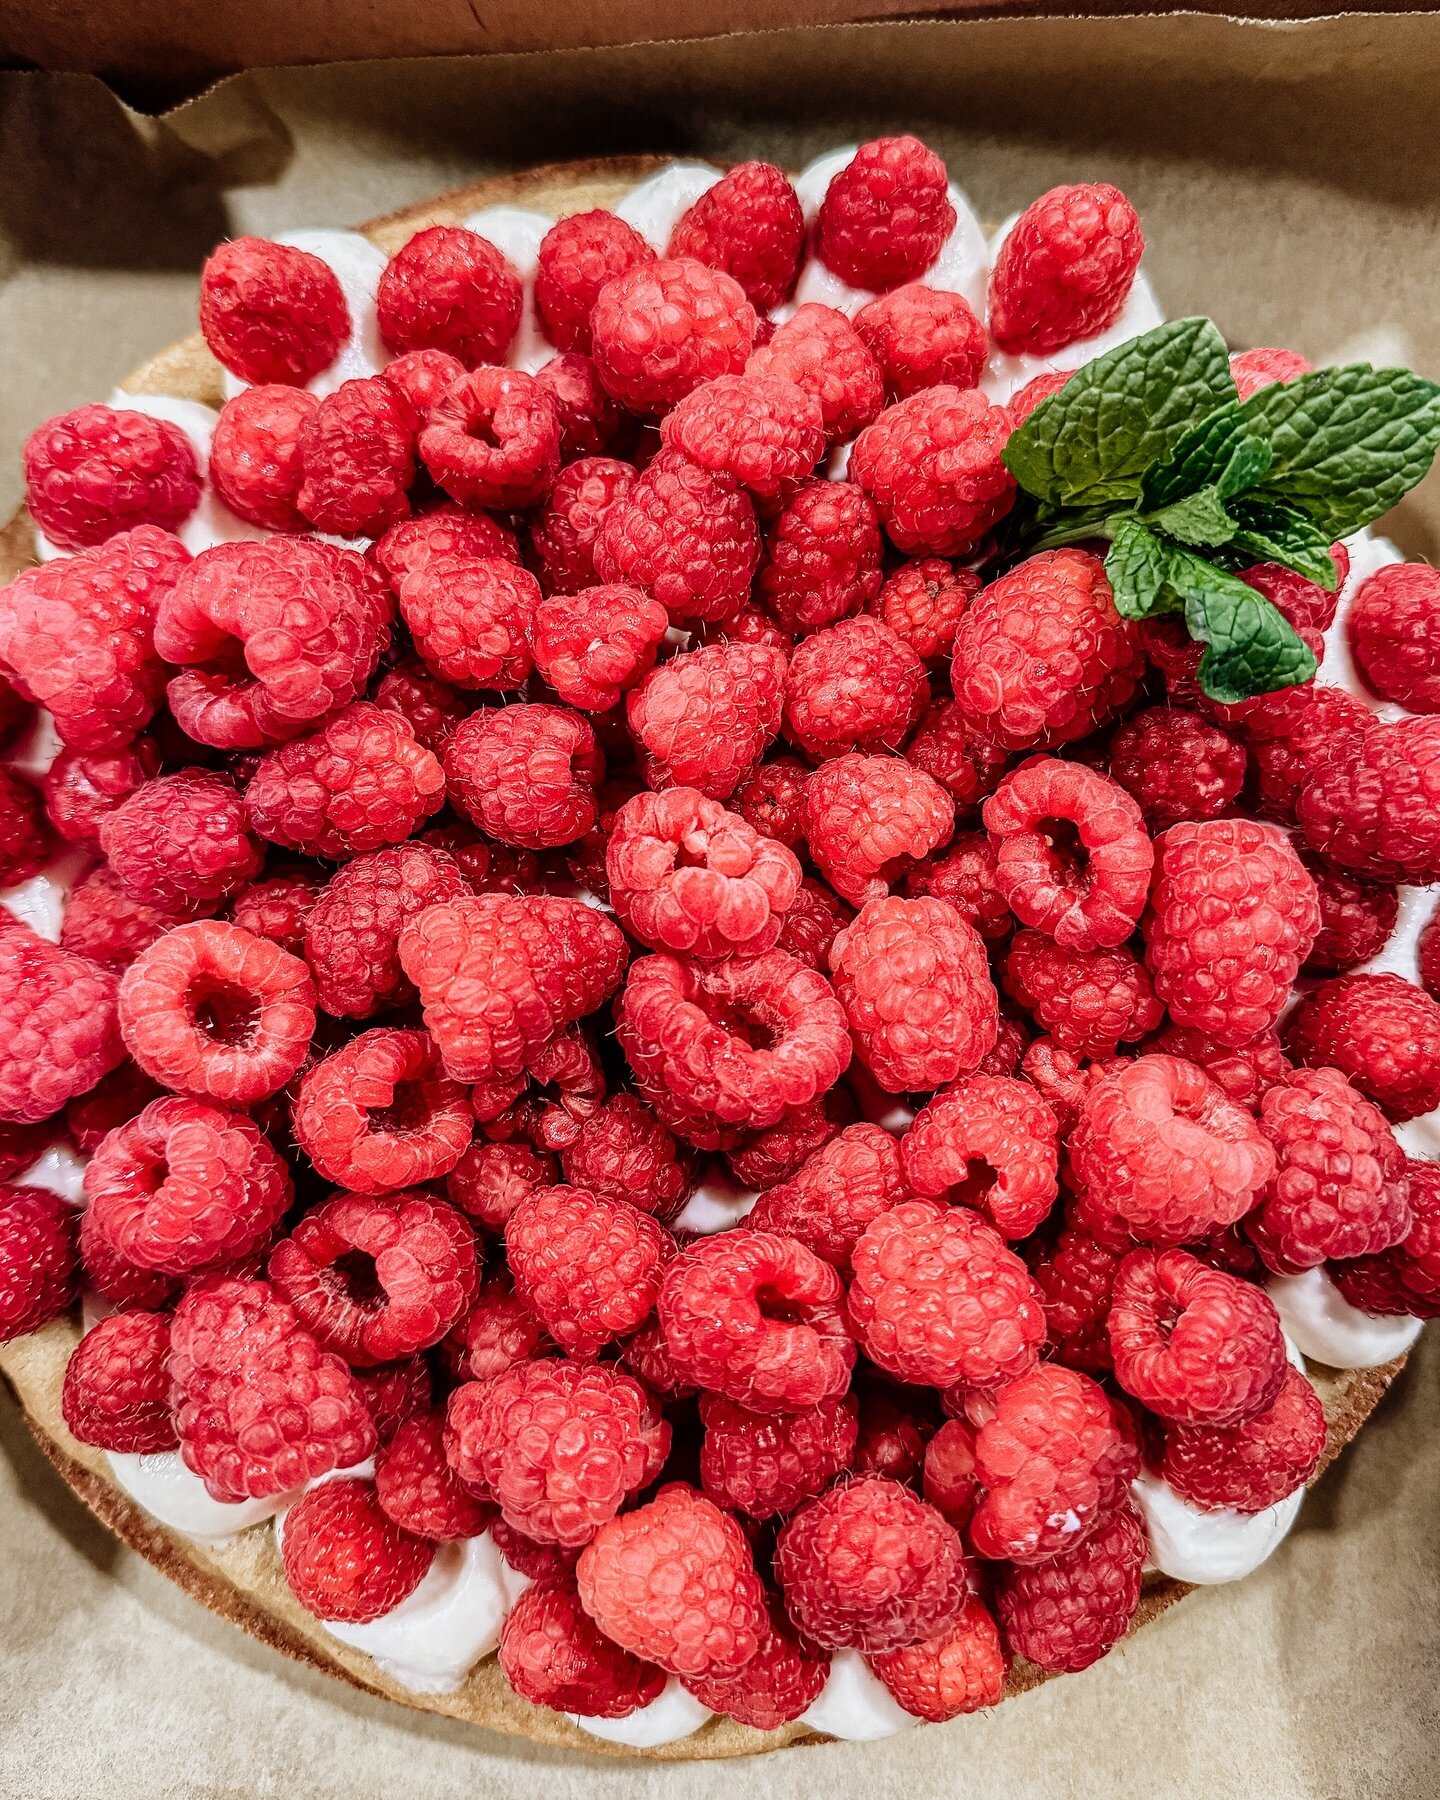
{"x":1194,"y":1344}
{"x":1233,"y":913}
{"x":896,"y":1425}
{"x":1374,"y":805}
{"x":923,"y":337}
{"x":964,"y":875}
{"x":499,"y":976}
{"x":594,"y":645}
{"x":939,"y":1300}
{"x":1176,"y":764}
{"x":378,"y":1276}
{"x":1042,"y":657}
{"x":352,"y":935}
{"x":124,"y":1284}
{"x":58,"y":1028}
{"x":97,"y":471}
{"x":1404,"y":1280}
{"x":1250,"y":1466}
{"x":359,"y":783}
{"x":271,"y":312}
{"x":773,"y":800}
{"x":707,"y":716}
{"x":1299,"y":731}
{"x":835,"y":1193}
{"x":946,"y":747}
{"x":561,"y":1087}
{"x":259,"y":1407}
{"x":430,"y":707}
{"x":1161,"y":1153}
{"x":1243,"y":1071}
{"x":870,"y":1565}
{"x":761,"y":430}
{"x":932,"y":466}
{"x":471,"y":621}
{"x":490,"y":1180}
{"x":763,"y":1465}
{"x":180,"y":841}
{"x":81,"y":786}
{"x":621,"y":1152}
{"x":814,"y":919}
{"x":449,"y":531}
{"x":1089,"y":1001}
{"x":419,"y":1491}
{"x":591,"y":423}
{"x":868,"y":819}
{"x":756,"y":1317}
{"x":783,"y":1678}
{"x":344,"y":1559}
{"x":923,"y":603}
{"x":37,"y":1259}
{"x":1381,"y":1032}
{"x":589,"y":1268}
{"x":526,"y":774}
{"x":113,"y":1101}
{"x":853,"y":686}
{"x":763,"y":1159}
{"x":498,"y":1331}
{"x":686,"y":1029}
{"x":1065,"y":269}
{"x":380,"y":1113}
{"x":960,"y":1671}
{"x":821,"y":351}
{"x":422,"y":376}
{"x":990,"y":1142}
{"x":1256,"y":369}
{"x":358,"y":454}
{"x":76,"y":636}
{"x":394,"y":1392}
{"x":278,"y":904}
{"x":450,"y":289}
{"x":24,"y":832}
{"x":822,"y":556}
{"x":1076,"y":1278}
{"x":1064,"y":1614}
{"x":686,"y":535}
{"x":577,"y":258}
{"x":885,"y":215}
{"x":1062,"y":1076}
{"x":1032,"y":396}
{"x":117,"y":1388}
{"x":553,"y":1655}
{"x":564,"y":530}
{"x":493,"y":440}
{"x":255,"y":462}
{"x":276,"y":636}
{"x":663,"y":327}
{"x":674,"y":1581}
{"x":750,"y":226}
{"x":1356,"y":917}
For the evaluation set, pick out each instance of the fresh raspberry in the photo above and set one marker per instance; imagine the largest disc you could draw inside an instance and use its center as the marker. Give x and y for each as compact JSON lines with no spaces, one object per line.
{"x":896,"y":1425}
{"x":117,"y":1388}
{"x":490,"y":868}
{"x":358,"y":454}
{"x":663,"y":327}
{"x":278,"y":904}
{"x":24,"y":831}
{"x":1357,"y":917}
{"x":490,"y":1180}
{"x":124,"y":1284}
{"x":577,"y":257}
{"x":1193,"y":1344}
{"x":594,"y":645}
{"x":674,"y":1582}
{"x":352,"y":934}
{"x":471,"y":620}
{"x":1250,"y":1466}
{"x":497,"y":1332}
{"x":255,"y":462}
{"x":835,"y":1193}
{"x":591,"y":423}
{"x":58,"y":1027}
{"x":885,"y":215}
{"x":923,"y":337}
{"x":1308,"y":605}
{"x":706,"y":717}
{"x":1233,"y":913}
{"x":869,"y":819}
{"x":762,"y":1464}
{"x":589,"y":1268}
{"x":419,"y":1491}
{"x":271,"y":312}
{"x":773,"y":800}
{"x":1062,"y":1076}
{"x":359,"y":783}
{"x":259,"y":1407}
{"x":1176,"y":764}
{"x":1065,"y":269}
{"x":960,"y":1671}
{"x":1243,"y":1071}
{"x":1089,"y":1001}
{"x":870,"y":1565}
{"x":822,"y":556}
{"x":380,"y":1113}
{"x":378,"y":1276}
{"x":763,"y":431}
{"x":685,"y":534}
{"x":716,"y":1314}
{"x":1033,"y":395}
{"x":526,"y":774}
{"x":948,"y":748}
{"x":931,"y":463}
{"x":37,"y":1259}
{"x":1042,"y":656}
{"x":821,"y":351}
{"x":923,"y":603}
{"x":97,"y":471}
{"x":764,"y":1159}
{"x":939,"y":1300}
{"x":749,"y":224}
{"x":562,"y":1086}
{"x":493,"y":440}
{"x":1299,"y":731}
{"x":686,"y":1029}
{"x":76,"y":636}
{"x":812,"y":922}
{"x":430,"y":707}
{"x":213,"y":1010}
{"x":500,"y":976}
{"x":394,"y":1392}
{"x":853,"y":686}
{"x":564,"y":530}
{"x":1380,"y":1032}
{"x":552,"y":1654}
{"x":81,"y":786}
{"x":783,"y":1678}
{"x":1065,"y":1613}
{"x":181,"y":841}
{"x":184,"y":1186}
{"x":1404,"y":1280}
{"x":989,"y":1142}
{"x":1256,"y":369}
{"x":422,"y":376}
{"x":272,"y":637}
{"x":1076,"y":1278}
{"x":345,"y":1560}
{"x":449,"y":531}
{"x":1374,"y":804}
{"x":621,"y":1152}
{"x":450,"y":289}
{"x":1161,"y":1153}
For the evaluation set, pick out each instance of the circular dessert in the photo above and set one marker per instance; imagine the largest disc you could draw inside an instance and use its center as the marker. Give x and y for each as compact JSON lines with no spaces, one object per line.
{"x":716,"y":978}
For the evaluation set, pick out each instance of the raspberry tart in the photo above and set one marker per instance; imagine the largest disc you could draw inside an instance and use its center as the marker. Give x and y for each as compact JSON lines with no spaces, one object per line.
{"x":717,"y":947}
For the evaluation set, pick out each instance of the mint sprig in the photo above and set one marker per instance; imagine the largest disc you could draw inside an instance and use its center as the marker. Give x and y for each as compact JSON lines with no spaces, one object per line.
{"x":1151,"y":447}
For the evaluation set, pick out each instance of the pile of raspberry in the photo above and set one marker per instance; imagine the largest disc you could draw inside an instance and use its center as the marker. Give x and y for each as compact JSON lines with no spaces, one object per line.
{"x":633,"y":812}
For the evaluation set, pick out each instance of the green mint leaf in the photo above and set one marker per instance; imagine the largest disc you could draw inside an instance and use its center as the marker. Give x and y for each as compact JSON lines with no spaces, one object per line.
{"x":1269,"y":532}
{"x":1137,"y":567}
{"x":1250,"y":647}
{"x":1092,"y":442}
{"x":1347,"y":443}
{"x":1200,"y":518}
{"x":1218,"y":451}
